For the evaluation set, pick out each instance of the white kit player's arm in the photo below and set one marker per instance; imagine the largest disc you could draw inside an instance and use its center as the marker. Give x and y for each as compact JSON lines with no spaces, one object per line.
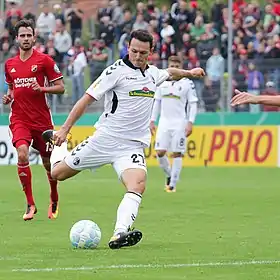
{"x":191,"y":108}
{"x":156,"y":111}
{"x":177,"y":74}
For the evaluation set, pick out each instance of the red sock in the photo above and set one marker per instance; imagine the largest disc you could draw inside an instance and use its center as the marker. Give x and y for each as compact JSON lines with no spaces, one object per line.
{"x":53,"y":185}
{"x":24,"y":174}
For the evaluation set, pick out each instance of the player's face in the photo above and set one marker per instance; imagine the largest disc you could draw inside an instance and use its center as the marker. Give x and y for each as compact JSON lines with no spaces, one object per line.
{"x":175,"y":65}
{"x":138,"y":53}
{"x":25,"y":38}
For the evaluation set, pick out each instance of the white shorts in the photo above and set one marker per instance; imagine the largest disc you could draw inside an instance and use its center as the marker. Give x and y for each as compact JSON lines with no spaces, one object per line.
{"x":171,"y":140}
{"x":101,"y":149}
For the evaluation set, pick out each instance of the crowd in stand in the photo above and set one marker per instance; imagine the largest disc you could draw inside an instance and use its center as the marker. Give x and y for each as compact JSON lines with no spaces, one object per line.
{"x":182,"y":28}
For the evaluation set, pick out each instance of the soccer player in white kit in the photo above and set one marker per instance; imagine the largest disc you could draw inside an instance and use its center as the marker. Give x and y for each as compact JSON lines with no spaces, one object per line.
{"x":172,"y":99}
{"x":122,"y":132}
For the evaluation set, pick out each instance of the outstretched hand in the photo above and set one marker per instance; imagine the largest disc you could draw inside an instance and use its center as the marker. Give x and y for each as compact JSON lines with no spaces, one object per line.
{"x":243,"y":98}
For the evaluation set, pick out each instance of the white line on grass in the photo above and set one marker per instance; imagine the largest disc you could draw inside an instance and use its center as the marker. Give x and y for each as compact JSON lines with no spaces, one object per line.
{"x":131,"y":266}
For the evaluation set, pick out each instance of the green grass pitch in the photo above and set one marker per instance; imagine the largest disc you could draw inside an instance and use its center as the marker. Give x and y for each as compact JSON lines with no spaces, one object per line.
{"x":223,"y":223}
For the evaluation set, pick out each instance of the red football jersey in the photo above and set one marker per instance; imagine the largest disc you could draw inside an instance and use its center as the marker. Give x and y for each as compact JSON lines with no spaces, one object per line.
{"x":30,"y":106}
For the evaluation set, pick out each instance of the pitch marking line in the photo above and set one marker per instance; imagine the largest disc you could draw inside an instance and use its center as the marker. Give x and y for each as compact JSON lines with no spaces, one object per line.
{"x":131,"y":266}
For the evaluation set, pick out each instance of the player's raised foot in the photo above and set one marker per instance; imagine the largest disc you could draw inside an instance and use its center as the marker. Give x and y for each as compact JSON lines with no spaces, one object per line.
{"x":30,"y":212}
{"x":170,"y":189}
{"x":167,"y":183}
{"x":53,"y":210}
{"x":125,"y":239}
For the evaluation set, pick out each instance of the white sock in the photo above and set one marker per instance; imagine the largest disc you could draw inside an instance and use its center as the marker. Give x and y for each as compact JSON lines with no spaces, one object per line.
{"x":58,"y":154}
{"x":127,"y":211}
{"x":165,"y":165}
{"x":176,"y":170}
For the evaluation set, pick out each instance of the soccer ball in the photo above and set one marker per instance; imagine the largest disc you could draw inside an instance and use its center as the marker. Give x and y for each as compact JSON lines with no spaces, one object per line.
{"x":85,"y":234}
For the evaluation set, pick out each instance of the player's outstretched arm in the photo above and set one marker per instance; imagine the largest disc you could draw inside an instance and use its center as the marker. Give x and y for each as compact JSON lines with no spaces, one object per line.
{"x":77,"y":111}
{"x":247,"y":98}
{"x":177,"y":74}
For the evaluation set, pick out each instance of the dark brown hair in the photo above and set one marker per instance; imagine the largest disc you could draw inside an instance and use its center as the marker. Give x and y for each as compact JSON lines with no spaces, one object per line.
{"x":24,"y":23}
{"x":142,"y":35}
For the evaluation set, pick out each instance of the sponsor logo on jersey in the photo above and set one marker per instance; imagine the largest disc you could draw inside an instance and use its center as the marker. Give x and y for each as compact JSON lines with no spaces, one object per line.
{"x":145,"y":92}
{"x":34,"y":68}
{"x":13,"y":70}
{"x":24,"y":82}
{"x":171,"y":95}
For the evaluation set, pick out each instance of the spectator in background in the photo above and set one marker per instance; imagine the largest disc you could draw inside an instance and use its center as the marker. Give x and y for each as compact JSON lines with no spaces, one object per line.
{"x":210,"y":96}
{"x":106,"y":33}
{"x":45,"y":23}
{"x":255,"y":84}
{"x":140,"y":23}
{"x":58,"y":14}
{"x":75,"y":18}
{"x":105,"y":10}
{"x":13,"y":16}
{"x":76,"y":68}
{"x":99,"y":59}
{"x":215,"y":68}
{"x":127,"y":22}
{"x":63,"y":43}
{"x":117,"y":17}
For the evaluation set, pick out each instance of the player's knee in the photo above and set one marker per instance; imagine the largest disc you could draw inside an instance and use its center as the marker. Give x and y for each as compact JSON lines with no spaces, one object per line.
{"x":176,"y":155}
{"x":58,"y":175}
{"x":161,"y":153}
{"x":138,"y":186}
{"x":23,"y":153}
{"x":135,"y":180}
{"x":61,"y":172}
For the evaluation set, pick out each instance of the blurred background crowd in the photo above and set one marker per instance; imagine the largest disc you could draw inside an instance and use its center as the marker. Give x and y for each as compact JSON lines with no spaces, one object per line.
{"x":84,"y":45}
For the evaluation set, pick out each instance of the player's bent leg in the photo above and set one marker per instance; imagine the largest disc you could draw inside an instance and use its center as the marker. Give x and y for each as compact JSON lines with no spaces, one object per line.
{"x":176,"y":170}
{"x":24,"y":173}
{"x":53,"y":206}
{"x":61,"y":171}
{"x":165,"y":165}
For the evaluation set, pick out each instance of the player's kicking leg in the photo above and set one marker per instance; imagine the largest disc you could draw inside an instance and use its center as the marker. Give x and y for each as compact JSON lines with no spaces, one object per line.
{"x":60,"y":171}
{"x":24,"y":173}
{"x":124,"y":236}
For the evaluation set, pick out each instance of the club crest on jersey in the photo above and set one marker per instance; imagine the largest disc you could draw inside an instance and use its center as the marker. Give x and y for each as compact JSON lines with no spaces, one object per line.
{"x":56,"y":69}
{"x":145,"y":92}
{"x":34,"y":68}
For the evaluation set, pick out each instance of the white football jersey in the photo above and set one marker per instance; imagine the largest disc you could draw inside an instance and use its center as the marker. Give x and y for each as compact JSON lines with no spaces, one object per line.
{"x":174,"y":96}
{"x":129,"y":95}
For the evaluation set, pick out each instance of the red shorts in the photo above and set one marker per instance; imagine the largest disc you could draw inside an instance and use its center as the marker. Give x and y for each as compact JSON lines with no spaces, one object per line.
{"x":21,"y":131}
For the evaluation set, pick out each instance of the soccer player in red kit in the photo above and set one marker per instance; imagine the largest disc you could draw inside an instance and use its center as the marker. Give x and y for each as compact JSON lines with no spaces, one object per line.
{"x":29,"y":76}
